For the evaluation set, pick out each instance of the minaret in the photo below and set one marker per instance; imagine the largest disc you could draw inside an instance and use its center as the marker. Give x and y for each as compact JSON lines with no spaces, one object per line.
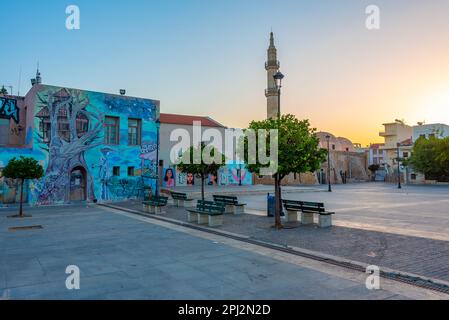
{"x":38,"y":79}
{"x":272,"y":67}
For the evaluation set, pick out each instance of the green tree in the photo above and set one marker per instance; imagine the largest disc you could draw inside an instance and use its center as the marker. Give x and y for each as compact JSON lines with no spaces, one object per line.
{"x":201,"y":161}
{"x":298,"y":151}
{"x":3,"y":91}
{"x":23,"y":169}
{"x":431,"y":157}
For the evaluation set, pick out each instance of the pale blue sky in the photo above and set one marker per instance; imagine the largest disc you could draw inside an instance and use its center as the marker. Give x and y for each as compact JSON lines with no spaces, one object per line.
{"x":207,"y":57}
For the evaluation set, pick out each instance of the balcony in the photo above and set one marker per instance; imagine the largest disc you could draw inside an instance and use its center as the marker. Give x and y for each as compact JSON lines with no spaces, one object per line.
{"x":271,"y":92}
{"x":272,"y":64}
{"x":387,"y":134}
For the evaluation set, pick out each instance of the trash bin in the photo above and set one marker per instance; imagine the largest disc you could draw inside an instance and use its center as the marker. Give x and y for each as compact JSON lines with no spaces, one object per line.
{"x":271,"y":206}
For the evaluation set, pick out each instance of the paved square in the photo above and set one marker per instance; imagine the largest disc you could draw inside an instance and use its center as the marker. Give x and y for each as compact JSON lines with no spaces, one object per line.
{"x":125,"y":258}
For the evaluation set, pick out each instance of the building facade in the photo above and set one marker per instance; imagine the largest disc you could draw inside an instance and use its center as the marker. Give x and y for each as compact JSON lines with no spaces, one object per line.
{"x":231,"y":173}
{"x":93,"y":146}
{"x":395,"y":133}
{"x":437,"y":130}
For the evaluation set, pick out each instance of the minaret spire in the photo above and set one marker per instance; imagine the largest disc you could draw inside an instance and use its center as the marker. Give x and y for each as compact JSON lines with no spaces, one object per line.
{"x":272,"y":67}
{"x":272,"y":40}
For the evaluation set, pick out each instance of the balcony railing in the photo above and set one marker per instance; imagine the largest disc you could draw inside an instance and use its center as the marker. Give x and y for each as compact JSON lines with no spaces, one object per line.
{"x":273,"y":63}
{"x":271,"y":92}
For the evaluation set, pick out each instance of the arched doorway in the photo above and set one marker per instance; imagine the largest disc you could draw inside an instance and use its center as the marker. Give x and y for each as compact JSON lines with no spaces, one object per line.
{"x":78,"y":183}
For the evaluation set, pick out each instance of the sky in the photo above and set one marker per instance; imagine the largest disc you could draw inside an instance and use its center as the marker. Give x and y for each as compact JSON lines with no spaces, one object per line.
{"x":206,"y":57}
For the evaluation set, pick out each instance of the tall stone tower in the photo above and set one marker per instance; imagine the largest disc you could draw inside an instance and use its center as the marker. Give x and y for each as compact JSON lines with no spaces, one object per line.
{"x":272,"y":67}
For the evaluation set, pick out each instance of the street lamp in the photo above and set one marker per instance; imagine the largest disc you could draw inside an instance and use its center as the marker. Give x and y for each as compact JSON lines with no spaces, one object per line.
{"x":158,"y":125}
{"x":328,"y":137}
{"x":399,"y":167}
{"x":278,"y":79}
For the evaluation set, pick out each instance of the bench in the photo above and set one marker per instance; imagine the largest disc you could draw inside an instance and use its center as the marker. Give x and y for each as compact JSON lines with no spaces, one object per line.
{"x":154,"y":204}
{"x":231,"y":204}
{"x":206,"y":212}
{"x":181,"y":200}
{"x":308,"y":210}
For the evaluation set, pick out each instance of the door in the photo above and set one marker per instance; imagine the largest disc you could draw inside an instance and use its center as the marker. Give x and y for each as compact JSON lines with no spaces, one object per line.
{"x":78,"y":184}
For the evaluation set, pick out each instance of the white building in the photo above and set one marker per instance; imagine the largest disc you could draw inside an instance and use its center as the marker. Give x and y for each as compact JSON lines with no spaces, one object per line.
{"x":437,"y":130}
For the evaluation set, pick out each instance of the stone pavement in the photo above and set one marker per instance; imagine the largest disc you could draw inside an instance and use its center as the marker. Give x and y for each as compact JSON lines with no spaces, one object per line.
{"x":128,"y":257}
{"x":405,"y":230}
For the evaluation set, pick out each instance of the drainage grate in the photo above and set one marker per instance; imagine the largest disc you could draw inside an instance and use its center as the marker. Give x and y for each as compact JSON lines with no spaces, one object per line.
{"x":25,"y":228}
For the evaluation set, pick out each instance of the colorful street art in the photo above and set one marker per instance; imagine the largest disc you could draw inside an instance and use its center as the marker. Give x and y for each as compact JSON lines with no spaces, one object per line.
{"x":169,"y":178}
{"x":68,"y":138}
{"x":9,"y":109}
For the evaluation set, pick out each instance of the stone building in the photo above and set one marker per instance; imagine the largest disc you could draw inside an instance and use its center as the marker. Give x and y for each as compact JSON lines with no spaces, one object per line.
{"x":93,"y":146}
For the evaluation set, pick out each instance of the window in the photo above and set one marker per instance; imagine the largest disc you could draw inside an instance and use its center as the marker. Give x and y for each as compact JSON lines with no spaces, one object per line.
{"x":111,"y":130}
{"x":45,"y":127}
{"x":405,"y":154}
{"x":130,"y":171}
{"x":116,"y":171}
{"x":82,"y":125}
{"x":134,"y":130}
{"x":4,"y":131}
{"x":333,"y":147}
{"x":413,"y":176}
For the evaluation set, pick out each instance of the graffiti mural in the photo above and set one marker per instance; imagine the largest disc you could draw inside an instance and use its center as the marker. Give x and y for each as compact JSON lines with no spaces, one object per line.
{"x":9,"y":109}
{"x":69,"y":138}
{"x":66,"y":141}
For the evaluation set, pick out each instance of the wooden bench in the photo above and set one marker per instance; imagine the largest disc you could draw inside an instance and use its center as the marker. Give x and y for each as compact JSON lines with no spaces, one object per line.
{"x":181,"y":200}
{"x":206,"y":212}
{"x":231,"y":204}
{"x":308,"y":210}
{"x":154,"y":204}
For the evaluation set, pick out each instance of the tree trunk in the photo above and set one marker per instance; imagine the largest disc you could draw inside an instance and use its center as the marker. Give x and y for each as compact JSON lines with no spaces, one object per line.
{"x":280,"y":196}
{"x":21,"y":199}
{"x":202,"y":187}
{"x":278,"y":223}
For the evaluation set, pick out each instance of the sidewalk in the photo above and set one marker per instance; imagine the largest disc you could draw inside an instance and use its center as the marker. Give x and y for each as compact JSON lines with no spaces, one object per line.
{"x":428,"y":258}
{"x":125,"y":256}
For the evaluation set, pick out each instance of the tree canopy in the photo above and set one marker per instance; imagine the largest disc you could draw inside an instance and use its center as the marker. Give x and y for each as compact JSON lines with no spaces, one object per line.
{"x":297,"y":145}
{"x":23,"y":168}
{"x":201,"y":161}
{"x":431,"y":157}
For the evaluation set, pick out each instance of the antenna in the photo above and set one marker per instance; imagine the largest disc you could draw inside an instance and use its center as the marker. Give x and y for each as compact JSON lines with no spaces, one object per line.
{"x":20,"y":80}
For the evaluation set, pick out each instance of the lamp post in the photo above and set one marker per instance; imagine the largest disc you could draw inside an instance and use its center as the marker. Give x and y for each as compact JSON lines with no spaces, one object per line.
{"x":328,"y":137}
{"x":158,"y":125}
{"x":399,"y":167}
{"x":278,"y":79}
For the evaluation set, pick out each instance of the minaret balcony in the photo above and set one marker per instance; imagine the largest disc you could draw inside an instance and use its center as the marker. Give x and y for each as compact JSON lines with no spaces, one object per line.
{"x":271,"y":92}
{"x":272,"y":64}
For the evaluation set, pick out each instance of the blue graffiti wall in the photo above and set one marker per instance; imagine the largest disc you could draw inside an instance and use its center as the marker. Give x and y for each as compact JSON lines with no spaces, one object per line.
{"x":93,"y":146}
